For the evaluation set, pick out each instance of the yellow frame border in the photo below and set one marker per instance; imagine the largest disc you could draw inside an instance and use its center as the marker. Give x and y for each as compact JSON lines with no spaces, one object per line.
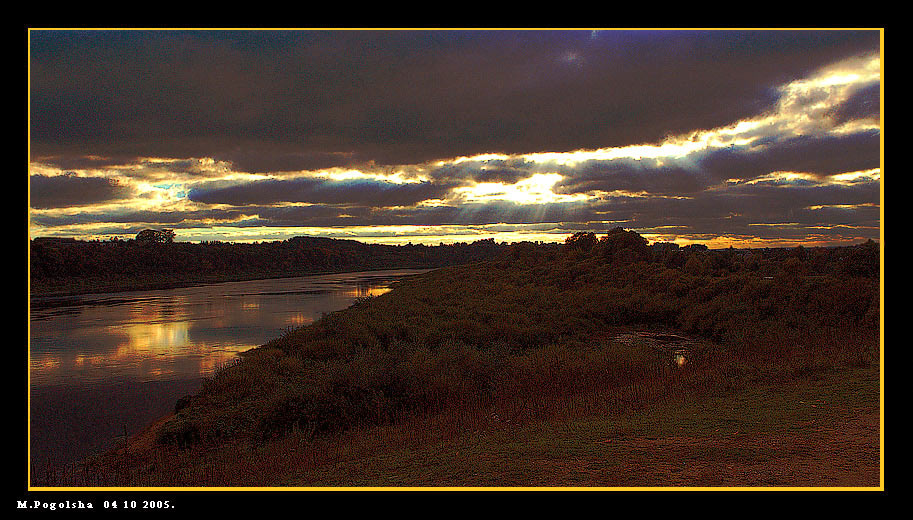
{"x":881,"y":486}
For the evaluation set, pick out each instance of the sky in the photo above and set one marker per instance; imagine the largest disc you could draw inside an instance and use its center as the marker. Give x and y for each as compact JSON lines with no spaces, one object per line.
{"x":722,"y":137}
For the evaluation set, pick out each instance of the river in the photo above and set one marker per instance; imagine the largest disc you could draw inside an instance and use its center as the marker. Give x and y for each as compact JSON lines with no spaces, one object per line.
{"x":101,"y":365}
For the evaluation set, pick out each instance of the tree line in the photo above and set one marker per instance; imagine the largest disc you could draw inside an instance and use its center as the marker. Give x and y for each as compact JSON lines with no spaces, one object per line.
{"x":154,"y":259}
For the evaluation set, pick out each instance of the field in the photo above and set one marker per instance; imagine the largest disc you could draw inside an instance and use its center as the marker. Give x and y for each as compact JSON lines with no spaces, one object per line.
{"x":607,"y":362}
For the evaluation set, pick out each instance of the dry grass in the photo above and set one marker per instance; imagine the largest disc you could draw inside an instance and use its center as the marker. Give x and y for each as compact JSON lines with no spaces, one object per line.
{"x":498,"y":348}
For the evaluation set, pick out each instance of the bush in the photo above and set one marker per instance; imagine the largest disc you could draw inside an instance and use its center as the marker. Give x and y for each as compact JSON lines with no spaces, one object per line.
{"x":538,"y":329}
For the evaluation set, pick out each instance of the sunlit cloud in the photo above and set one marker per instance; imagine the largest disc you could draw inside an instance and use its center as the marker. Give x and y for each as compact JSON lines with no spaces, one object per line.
{"x":536,"y":189}
{"x":803,"y":108}
{"x":843,"y":206}
{"x":784,"y":150}
{"x":872,"y":175}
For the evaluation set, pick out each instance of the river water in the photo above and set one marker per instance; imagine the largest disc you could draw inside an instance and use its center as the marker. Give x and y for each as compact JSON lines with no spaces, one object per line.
{"x":101,"y":365}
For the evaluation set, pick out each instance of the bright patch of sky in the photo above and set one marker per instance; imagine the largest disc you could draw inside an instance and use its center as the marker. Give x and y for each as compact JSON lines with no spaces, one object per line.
{"x":533,"y":190}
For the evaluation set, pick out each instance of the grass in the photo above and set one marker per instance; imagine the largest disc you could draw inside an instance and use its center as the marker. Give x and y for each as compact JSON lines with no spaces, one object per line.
{"x":720,"y":440}
{"x":532,"y":370}
{"x":817,"y":429}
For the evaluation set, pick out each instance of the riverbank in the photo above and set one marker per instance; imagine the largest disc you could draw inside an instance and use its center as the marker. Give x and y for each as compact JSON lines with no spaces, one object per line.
{"x":535,"y":347}
{"x":106,"y":365}
{"x":81,"y":286}
{"x":69,"y":267}
{"x":821,"y":429}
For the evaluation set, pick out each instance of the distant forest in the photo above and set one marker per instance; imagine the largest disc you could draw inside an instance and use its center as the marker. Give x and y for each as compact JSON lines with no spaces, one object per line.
{"x":153,"y":260}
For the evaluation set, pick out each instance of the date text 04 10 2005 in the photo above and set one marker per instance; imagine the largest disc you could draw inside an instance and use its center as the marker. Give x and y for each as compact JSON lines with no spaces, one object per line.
{"x":107,"y":504}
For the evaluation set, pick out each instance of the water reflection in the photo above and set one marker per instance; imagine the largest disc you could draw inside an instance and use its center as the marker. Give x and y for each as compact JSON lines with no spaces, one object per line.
{"x":364,"y":291}
{"x":679,"y":358}
{"x":180,"y":333}
{"x":101,"y":364}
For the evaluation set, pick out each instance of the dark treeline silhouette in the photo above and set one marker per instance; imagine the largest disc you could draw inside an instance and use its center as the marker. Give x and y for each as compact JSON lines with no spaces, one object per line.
{"x":628,"y":246}
{"x":154,"y":260}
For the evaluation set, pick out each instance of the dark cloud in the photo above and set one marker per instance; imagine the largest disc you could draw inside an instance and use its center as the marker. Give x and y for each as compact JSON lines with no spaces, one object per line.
{"x":321,"y":191}
{"x":632,"y":176}
{"x":841,"y":212}
{"x":281,"y":101}
{"x":826,"y":155}
{"x":61,"y":191}
{"x":191,"y":218}
{"x":322,"y":215}
{"x":716,"y":211}
{"x":79,"y":162}
{"x":863,"y":104}
{"x":817,"y":155}
{"x":267,"y":158}
{"x":740,"y":208}
{"x":507,"y":171}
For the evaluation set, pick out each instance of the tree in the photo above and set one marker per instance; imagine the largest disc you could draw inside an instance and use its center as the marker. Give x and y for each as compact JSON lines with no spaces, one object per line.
{"x":624,"y":246}
{"x":582,"y":240}
{"x":160,"y":236}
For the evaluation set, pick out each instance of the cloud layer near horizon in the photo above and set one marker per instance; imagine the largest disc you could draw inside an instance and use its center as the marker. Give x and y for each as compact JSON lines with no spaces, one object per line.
{"x":708,"y":136}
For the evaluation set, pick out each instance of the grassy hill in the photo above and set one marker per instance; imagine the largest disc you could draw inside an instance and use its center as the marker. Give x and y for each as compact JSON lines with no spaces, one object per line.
{"x":605,"y":362}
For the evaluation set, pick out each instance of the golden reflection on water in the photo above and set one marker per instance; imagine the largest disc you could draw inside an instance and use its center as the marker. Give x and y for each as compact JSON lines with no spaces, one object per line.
{"x":365,"y":291}
{"x":680,"y":359}
{"x":178,"y":336}
{"x":299,"y":320}
{"x":152,"y":338}
{"x":149,"y":351}
{"x":46,"y":362}
{"x":215,"y":360}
